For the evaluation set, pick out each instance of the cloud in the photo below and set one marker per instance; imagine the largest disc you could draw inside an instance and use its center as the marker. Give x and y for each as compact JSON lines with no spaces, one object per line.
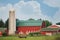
{"x":24,"y":10}
{"x":4,"y":11}
{"x":52,"y":3}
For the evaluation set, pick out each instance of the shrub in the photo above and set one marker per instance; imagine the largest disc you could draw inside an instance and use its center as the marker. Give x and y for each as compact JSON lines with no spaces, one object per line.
{"x":4,"y":34}
{"x":35,"y":34}
{"x":22,"y":36}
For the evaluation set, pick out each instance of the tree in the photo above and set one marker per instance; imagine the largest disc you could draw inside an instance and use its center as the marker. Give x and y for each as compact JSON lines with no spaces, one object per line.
{"x":6,"y":23}
{"x":1,"y":23}
{"x":47,"y":23}
{"x":17,"y":22}
{"x":58,"y":23}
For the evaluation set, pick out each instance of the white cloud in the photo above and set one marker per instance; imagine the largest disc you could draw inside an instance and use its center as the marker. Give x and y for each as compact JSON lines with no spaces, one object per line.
{"x":4,"y":11}
{"x":24,"y":10}
{"x":52,"y":3}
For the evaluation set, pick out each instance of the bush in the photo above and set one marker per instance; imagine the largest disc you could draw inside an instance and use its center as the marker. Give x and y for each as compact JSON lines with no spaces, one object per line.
{"x":4,"y":34}
{"x":22,"y":36}
{"x":35,"y":34}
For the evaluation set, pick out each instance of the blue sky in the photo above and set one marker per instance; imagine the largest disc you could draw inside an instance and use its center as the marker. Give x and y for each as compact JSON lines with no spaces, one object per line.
{"x":25,"y":9}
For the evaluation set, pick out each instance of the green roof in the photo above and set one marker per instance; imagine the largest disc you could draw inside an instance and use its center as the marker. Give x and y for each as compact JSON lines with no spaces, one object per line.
{"x":50,"y":29}
{"x":29,"y":22}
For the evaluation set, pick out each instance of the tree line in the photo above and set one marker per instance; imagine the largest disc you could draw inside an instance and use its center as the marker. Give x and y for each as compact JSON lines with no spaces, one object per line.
{"x":5,"y":25}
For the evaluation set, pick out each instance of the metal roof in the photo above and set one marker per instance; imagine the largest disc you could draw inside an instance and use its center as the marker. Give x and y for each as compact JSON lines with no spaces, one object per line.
{"x":50,"y":29}
{"x":29,"y":22}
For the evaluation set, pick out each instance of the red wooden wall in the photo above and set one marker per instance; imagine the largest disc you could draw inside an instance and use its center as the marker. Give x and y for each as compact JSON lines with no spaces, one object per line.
{"x":25,"y":29}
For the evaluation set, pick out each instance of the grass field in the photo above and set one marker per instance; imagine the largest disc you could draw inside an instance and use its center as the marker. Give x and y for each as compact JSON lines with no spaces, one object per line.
{"x":31,"y":38}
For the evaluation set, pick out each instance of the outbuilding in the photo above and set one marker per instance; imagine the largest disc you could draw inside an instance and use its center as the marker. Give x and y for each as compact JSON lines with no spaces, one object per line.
{"x":51,"y":30}
{"x":2,"y":30}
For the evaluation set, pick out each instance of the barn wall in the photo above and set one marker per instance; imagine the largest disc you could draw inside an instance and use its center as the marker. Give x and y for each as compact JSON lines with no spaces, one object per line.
{"x":44,"y":32}
{"x":28,"y":29}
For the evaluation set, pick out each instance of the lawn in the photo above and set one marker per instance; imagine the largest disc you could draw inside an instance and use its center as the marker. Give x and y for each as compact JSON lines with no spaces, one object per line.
{"x":31,"y":38}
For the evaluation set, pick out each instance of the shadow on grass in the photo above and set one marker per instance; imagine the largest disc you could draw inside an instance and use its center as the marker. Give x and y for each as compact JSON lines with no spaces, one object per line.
{"x":57,"y":38}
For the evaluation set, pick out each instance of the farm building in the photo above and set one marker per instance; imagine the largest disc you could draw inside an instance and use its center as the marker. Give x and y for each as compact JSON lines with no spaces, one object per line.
{"x":2,"y":30}
{"x":51,"y":30}
{"x":28,"y":26}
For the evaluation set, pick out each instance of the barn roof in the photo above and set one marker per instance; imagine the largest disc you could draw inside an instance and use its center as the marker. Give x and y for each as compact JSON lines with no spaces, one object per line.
{"x":30,"y":22}
{"x":50,"y":29}
{"x":54,"y":26}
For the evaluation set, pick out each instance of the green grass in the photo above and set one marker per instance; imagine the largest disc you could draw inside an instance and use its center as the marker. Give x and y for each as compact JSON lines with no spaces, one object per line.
{"x":30,"y":38}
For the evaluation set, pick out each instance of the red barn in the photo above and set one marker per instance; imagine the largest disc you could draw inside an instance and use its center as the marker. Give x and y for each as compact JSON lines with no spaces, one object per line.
{"x":28,"y":26}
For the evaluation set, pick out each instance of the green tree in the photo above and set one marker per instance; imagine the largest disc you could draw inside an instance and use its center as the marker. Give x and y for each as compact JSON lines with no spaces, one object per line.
{"x":58,"y":23}
{"x":47,"y":23}
{"x":17,"y":22}
{"x":7,"y":22}
{"x":1,"y":23}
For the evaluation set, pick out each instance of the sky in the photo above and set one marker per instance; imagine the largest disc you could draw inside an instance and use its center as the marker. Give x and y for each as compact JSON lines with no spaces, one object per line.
{"x":36,"y":9}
